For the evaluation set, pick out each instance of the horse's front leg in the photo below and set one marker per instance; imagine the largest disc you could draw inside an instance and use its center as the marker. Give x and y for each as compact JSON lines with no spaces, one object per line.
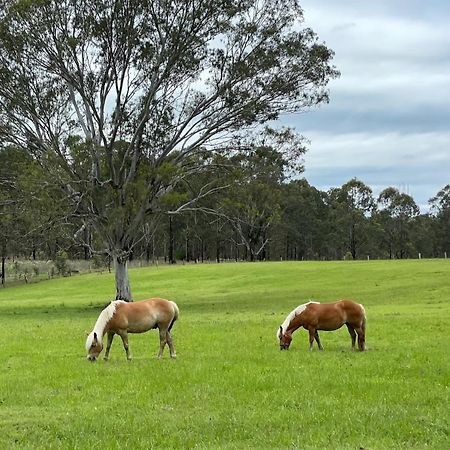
{"x":316,"y":337}
{"x":124,"y":336}
{"x":312,"y":334}
{"x":108,"y":345}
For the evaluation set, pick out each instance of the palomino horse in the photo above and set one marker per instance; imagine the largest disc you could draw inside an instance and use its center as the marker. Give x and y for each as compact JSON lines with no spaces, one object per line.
{"x":121,"y":318}
{"x":314,"y":316}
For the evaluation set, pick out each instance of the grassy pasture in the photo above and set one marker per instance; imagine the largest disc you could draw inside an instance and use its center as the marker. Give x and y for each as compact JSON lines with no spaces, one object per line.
{"x":231,"y":387}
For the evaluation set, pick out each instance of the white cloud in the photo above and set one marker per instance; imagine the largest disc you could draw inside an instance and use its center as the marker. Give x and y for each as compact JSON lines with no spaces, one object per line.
{"x":416,"y":163}
{"x":388,"y":120}
{"x":378,"y":150}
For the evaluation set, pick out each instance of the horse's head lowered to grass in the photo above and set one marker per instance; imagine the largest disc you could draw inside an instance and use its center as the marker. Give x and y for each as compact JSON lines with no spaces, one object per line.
{"x":94,"y":346}
{"x":285,"y":339}
{"x":283,"y":334}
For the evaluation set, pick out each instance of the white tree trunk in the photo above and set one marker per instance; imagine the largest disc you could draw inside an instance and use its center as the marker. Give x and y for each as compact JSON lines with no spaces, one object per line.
{"x":123,"y":290}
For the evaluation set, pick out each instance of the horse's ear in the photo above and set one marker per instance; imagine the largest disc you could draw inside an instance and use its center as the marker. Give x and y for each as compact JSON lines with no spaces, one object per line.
{"x":87,"y":333}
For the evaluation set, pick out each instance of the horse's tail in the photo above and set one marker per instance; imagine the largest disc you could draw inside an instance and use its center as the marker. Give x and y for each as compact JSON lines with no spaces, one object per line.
{"x":176,"y":313}
{"x":364,"y":320}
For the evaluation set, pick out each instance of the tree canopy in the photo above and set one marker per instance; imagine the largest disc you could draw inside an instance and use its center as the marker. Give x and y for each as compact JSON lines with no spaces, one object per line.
{"x":113,"y":98}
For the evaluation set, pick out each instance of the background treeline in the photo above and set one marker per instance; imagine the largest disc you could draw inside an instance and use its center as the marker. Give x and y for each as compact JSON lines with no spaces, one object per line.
{"x":255,"y":212}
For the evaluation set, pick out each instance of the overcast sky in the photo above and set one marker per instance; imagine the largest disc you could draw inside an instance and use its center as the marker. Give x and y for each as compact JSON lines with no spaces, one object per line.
{"x":388,"y":121}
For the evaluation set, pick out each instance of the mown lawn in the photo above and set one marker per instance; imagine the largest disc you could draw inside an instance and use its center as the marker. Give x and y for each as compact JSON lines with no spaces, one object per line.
{"x":230,"y":386}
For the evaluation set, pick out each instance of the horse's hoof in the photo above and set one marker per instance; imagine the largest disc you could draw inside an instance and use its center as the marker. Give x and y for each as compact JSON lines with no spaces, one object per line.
{"x":173,"y":356}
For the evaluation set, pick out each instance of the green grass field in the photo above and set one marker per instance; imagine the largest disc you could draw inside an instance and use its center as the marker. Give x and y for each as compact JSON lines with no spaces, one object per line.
{"x":230,"y":386}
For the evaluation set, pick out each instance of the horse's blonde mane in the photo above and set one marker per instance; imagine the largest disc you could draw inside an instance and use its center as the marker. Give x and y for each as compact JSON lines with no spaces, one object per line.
{"x":297,"y":311}
{"x":104,"y":317}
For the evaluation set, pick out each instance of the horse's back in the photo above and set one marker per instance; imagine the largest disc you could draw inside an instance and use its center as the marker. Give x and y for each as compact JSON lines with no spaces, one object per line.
{"x":330,"y":316}
{"x":324,"y":316}
{"x":159,"y":307}
{"x":143,"y":315}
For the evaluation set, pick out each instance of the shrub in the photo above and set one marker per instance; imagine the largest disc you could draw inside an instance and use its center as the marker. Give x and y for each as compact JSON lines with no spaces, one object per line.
{"x":100,"y":262}
{"x":348,"y":256}
{"x":61,"y":264}
{"x":36,"y":270}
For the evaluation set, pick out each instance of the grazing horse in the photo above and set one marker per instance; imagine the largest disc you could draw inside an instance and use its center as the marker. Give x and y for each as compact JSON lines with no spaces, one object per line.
{"x":121,"y":318}
{"x":314,"y":316}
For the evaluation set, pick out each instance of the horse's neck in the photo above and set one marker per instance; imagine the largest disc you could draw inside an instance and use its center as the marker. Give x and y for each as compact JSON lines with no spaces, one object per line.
{"x":295,"y":323}
{"x":100,"y":326}
{"x":105,"y":316}
{"x":100,"y":329}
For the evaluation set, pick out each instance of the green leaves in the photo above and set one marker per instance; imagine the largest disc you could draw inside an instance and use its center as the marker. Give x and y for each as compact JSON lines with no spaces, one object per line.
{"x":117,"y":100}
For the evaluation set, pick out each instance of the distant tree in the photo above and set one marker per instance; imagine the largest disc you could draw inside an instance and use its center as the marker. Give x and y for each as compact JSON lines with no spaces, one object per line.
{"x":425,"y":237}
{"x":351,"y":205}
{"x":397,"y":211}
{"x":304,"y":220}
{"x":440,"y":207}
{"x":12,"y":218}
{"x":6,"y":215}
{"x":112,"y":98}
{"x":252,"y":205}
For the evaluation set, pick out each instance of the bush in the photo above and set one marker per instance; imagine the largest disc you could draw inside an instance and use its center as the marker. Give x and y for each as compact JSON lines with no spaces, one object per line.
{"x":16,"y":269}
{"x":348,"y":256}
{"x":61,"y":264}
{"x":100,"y":262}
{"x":36,"y":270}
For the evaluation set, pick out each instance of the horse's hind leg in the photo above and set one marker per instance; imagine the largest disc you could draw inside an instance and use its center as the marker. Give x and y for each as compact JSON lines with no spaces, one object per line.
{"x":173,"y":354}
{"x":361,"y":338}
{"x":352,"y":332}
{"x":316,"y":337}
{"x":108,"y":345}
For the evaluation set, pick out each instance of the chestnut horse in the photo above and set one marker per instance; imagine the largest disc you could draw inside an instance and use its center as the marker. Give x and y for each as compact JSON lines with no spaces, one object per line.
{"x":121,"y":318}
{"x":314,"y":316}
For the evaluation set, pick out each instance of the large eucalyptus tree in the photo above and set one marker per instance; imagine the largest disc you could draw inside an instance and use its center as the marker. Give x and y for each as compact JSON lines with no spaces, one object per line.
{"x":115,"y":97}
